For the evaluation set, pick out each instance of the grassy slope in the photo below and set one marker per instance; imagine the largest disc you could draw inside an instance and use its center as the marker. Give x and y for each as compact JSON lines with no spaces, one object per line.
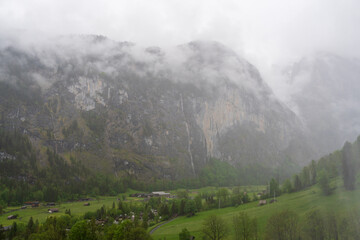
{"x":340,"y":202}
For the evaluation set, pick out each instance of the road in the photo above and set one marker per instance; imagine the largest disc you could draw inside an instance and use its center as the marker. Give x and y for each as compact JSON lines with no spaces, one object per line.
{"x":155,"y":228}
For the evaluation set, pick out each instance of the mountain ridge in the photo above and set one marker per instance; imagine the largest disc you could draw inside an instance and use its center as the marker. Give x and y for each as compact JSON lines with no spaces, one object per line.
{"x":139,"y":111}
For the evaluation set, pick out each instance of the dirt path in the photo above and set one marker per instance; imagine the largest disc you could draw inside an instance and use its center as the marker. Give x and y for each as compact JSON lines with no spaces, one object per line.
{"x":155,"y":228}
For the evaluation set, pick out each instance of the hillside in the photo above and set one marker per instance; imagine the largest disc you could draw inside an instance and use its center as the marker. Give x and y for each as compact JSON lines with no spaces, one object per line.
{"x":301,"y":194}
{"x":342,"y":204}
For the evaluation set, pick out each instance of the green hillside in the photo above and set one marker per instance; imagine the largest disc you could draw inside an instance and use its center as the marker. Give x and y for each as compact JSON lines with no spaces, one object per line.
{"x":341,"y":203}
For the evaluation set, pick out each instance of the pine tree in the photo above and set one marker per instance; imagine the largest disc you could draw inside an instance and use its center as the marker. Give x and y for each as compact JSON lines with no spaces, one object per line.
{"x":348,"y":167}
{"x":313,"y":172}
{"x":297,"y":183}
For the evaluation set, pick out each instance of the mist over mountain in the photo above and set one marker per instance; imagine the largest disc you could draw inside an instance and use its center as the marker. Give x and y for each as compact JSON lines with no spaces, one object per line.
{"x":325,"y":95}
{"x":146,"y":111}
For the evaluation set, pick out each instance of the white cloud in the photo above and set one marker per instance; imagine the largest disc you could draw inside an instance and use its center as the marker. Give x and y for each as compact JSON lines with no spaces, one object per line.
{"x":265,"y":32}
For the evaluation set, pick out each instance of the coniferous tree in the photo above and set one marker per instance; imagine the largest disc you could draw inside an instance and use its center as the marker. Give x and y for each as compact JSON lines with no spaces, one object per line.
{"x":2,"y":233}
{"x":305,"y":177}
{"x":13,"y":230}
{"x":313,"y":172}
{"x":174,"y":208}
{"x":297,"y":183}
{"x":348,"y":167}
{"x":145,"y":219}
{"x":182,"y":207}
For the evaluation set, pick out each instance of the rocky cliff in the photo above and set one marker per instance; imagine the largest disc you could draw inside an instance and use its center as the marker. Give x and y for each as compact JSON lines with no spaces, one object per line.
{"x":124,"y":109}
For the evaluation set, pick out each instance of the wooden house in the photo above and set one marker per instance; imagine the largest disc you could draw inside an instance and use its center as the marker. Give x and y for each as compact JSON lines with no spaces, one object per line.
{"x":53,"y":210}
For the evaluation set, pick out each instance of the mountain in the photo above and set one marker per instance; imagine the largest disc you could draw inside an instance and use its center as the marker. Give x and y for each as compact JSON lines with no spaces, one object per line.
{"x":327,"y":98}
{"x":147,"y":112}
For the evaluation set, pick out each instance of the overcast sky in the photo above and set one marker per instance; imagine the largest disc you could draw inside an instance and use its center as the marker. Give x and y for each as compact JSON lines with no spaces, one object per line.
{"x":264,"y":31}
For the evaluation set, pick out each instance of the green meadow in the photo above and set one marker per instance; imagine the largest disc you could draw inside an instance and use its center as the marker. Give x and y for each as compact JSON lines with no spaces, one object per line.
{"x":78,"y":208}
{"x":340,"y":202}
{"x":41,"y":213}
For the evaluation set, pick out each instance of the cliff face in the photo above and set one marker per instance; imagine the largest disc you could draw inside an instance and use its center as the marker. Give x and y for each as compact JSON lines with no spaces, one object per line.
{"x":130,"y":110}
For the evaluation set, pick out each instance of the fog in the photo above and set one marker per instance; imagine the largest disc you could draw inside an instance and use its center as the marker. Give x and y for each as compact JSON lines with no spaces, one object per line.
{"x":269,"y":34}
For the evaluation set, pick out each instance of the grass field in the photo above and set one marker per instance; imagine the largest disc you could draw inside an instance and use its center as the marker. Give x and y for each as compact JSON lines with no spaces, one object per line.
{"x":78,"y":208}
{"x":41,"y":213}
{"x":340,"y":202}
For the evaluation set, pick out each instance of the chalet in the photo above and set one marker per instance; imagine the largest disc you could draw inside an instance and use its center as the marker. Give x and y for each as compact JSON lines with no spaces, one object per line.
{"x":142,"y":195}
{"x":161,"y":194}
{"x":86,"y":204}
{"x":12,"y":217}
{"x":262,"y":202}
{"x":53,"y":210}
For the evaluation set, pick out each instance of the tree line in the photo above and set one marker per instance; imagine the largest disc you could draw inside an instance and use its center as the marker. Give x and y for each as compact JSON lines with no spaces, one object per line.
{"x":342,"y":163}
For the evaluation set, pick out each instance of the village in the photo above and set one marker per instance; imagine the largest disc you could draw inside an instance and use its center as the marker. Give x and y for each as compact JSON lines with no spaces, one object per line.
{"x":152,"y":194}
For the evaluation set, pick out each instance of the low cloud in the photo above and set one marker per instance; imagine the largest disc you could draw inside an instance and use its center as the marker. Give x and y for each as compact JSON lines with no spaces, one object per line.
{"x":266,"y":33}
